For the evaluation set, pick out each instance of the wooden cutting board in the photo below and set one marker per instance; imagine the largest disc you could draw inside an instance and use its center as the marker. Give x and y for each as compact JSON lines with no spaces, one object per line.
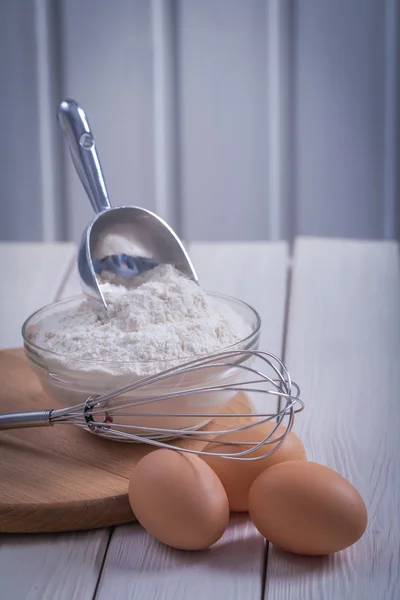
{"x":61,"y":478}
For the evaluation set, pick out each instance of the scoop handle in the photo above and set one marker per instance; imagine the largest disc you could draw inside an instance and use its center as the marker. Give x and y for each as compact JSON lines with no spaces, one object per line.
{"x":76,"y":128}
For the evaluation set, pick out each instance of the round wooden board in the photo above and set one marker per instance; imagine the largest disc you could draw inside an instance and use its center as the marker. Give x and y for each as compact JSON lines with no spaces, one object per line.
{"x":62,"y":478}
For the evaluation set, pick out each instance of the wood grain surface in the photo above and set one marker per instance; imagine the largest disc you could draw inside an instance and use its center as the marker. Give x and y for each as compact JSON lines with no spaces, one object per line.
{"x":137,"y":567}
{"x":343,"y":347}
{"x":231,"y":569}
{"x":61,"y":478}
{"x":51,"y":566}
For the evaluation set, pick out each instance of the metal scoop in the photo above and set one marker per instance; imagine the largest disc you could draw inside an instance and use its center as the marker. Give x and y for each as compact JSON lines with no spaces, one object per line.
{"x":122,"y":242}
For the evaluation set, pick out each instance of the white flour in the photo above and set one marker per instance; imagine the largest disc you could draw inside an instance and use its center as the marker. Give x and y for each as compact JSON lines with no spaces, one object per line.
{"x":166,"y":317}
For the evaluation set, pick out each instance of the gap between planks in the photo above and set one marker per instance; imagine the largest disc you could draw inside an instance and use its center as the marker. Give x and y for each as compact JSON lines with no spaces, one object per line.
{"x":289,"y":278}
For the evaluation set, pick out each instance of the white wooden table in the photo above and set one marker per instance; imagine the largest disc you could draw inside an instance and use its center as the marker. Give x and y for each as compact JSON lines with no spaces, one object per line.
{"x":333,"y":312}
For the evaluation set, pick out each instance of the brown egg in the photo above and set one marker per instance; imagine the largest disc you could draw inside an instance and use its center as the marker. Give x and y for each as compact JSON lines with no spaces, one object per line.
{"x":238,"y":476}
{"x":179,"y":499}
{"x":307,"y":508}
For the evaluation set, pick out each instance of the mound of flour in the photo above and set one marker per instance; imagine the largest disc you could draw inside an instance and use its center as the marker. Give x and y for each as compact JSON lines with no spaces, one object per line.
{"x":165,"y":317}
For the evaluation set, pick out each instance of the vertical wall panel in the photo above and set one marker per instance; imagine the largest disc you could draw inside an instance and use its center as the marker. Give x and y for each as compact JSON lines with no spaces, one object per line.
{"x":279,"y":48}
{"x":222,"y":89}
{"x":48,"y":27}
{"x":166,"y":117}
{"x":21,"y":216}
{"x":107,"y":67}
{"x":392,"y":119}
{"x":339,"y":116}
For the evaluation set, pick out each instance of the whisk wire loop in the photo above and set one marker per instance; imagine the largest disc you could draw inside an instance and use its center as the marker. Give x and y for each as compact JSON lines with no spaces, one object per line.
{"x":120,"y":415}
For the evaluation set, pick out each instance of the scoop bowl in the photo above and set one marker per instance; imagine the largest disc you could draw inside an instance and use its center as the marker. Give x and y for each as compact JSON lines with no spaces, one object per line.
{"x":125,"y":240}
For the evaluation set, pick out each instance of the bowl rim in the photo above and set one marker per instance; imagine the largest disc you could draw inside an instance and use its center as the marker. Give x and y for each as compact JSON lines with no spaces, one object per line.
{"x":87,"y":361}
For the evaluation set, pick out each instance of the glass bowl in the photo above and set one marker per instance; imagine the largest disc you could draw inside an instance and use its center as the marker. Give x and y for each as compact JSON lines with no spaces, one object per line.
{"x":72,"y":383}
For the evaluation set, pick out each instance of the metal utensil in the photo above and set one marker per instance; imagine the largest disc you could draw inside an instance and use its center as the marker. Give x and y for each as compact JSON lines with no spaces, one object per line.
{"x":110,"y":415}
{"x":125,"y":240}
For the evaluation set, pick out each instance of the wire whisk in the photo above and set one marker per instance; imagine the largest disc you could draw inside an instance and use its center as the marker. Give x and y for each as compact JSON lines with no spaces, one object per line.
{"x":126,"y":413}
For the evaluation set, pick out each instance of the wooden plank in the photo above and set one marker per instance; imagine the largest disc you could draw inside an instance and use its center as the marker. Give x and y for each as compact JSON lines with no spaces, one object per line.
{"x":343,"y":348}
{"x":252,"y":271}
{"x":34,"y":273}
{"x":42,"y":567}
{"x":136,"y":566}
{"x":45,"y":566}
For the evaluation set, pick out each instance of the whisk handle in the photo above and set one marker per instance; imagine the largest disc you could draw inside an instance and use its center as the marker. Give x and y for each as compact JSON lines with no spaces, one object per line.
{"x":34,"y":418}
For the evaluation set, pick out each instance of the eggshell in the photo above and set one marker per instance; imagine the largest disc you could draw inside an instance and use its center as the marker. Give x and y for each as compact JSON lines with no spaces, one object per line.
{"x":179,"y":499}
{"x":307,"y":508}
{"x":238,"y":476}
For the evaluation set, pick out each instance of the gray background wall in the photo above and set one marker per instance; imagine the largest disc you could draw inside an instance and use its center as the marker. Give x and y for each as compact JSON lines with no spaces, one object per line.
{"x":233,"y":119}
